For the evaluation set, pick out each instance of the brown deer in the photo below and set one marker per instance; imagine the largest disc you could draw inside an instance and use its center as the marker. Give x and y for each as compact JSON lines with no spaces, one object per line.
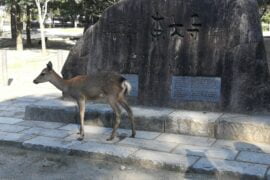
{"x":108,"y":85}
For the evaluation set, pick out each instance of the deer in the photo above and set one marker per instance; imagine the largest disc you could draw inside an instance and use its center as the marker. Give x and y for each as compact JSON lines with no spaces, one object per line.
{"x":111,"y":86}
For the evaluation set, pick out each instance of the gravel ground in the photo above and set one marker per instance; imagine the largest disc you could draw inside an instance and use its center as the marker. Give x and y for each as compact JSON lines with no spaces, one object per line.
{"x":16,"y":163}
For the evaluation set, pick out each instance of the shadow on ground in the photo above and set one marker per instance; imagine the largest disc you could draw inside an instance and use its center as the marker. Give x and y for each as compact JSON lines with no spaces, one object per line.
{"x":55,"y":44}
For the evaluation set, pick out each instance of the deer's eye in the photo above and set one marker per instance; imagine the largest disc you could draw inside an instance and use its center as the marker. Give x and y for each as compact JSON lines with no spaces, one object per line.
{"x":42,"y":74}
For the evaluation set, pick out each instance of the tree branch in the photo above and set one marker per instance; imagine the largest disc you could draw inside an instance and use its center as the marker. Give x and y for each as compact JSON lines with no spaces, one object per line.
{"x":263,"y":11}
{"x":45,"y":7}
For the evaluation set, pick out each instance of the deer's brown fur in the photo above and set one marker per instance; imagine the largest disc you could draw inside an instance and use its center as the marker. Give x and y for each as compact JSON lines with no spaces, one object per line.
{"x":108,"y":85}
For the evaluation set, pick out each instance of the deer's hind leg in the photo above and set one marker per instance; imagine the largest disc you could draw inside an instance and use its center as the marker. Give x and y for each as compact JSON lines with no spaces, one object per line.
{"x":125,"y":105}
{"x":117,"y":111}
{"x":81,"y":105}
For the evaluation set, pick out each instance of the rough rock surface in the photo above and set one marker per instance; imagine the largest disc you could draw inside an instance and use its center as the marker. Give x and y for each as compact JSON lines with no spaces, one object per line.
{"x":158,"y":39}
{"x":75,"y":63}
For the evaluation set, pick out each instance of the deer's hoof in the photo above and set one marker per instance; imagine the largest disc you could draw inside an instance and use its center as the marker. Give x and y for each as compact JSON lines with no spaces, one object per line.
{"x":110,"y":138}
{"x":133,"y":135}
{"x":80,"y":138}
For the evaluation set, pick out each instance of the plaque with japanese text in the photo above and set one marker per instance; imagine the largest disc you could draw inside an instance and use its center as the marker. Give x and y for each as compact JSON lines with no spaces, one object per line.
{"x":196,"y":88}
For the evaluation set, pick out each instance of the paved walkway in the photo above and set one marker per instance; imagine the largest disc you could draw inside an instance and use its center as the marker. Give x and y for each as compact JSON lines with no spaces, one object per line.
{"x":149,"y":149}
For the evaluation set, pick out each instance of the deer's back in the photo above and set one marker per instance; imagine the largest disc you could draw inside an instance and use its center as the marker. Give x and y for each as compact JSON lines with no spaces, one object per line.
{"x":98,"y":84}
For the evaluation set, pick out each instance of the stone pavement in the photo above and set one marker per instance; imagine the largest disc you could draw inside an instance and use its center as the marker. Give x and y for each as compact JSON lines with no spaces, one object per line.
{"x":176,"y":152}
{"x":149,"y":149}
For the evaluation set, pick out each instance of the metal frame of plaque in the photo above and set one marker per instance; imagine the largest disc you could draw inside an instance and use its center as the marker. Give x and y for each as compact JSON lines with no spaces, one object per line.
{"x":133,"y":79}
{"x":187,"y":88}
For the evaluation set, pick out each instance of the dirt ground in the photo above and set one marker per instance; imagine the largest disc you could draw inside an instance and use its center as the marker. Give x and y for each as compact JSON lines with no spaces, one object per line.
{"x":17,"y":163}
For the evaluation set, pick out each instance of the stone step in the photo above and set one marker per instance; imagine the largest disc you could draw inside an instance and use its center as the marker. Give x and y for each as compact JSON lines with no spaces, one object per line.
{"x":255,"y":128}
{"x":174,"y":152}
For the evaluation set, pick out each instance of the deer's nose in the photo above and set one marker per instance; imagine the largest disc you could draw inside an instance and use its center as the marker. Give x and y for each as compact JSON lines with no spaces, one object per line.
{"x":35,"y":81}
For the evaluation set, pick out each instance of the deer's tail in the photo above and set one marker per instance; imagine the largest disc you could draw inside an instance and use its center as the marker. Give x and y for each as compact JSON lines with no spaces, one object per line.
{"x":126,"y":86}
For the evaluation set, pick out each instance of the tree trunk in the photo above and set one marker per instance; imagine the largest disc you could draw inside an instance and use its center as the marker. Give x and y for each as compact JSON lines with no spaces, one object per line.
{"x":41,"y":18}
{"x":86,"y":23}
{"x":73,"y":22}
{"x":13,"y":20}
{"x":51,"y":18}
{"x":41,"y":26}
{"x":19,"y":25}
{"x":28,"y":26}
{"x":42,"y":34}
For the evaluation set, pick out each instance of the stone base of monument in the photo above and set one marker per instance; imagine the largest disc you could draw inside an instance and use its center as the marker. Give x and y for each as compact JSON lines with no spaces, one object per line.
{"x":255,"y":128}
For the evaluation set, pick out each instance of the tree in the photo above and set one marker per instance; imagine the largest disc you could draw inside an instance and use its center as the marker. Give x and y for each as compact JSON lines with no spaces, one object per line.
{"x":89,"y":9}
{"x":16,"y":22}
{"x":92,"y":9}
{"x":16,"y":15}
{"x":42,"y":6}
{"x":263,"y":7}
{"x":28,"y":25}
{"x":266,"y":17}
{"x":19,"y":27}
{"x":13,"y":25}
{"x":69,"y":9}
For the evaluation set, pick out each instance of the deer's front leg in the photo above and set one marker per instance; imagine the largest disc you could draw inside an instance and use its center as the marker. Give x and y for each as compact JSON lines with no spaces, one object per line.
{"x":81,"y":105}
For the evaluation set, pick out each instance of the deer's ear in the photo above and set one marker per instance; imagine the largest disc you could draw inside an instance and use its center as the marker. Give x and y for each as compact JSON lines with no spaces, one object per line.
{"x":49,"y":66}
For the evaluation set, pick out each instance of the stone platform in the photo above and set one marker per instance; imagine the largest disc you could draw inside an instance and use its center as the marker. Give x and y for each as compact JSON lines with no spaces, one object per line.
{"x":254,"y":128}
{"x":233,"y":159}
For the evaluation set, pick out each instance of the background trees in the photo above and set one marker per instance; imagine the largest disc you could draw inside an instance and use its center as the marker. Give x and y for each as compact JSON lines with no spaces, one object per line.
{"x":265,"y":13}
{"x":87,"y":11}
{"x":82,"y":12}
{"x":17,"y":9}
{"x":78,"y":12}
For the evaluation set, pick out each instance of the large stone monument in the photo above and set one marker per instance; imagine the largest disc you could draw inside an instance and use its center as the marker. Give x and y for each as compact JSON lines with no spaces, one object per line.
{"x":198,"y":54}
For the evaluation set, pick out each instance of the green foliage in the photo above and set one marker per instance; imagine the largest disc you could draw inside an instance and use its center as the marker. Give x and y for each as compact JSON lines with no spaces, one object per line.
{"x":81,"y":7}
{"x":85,"y":9}
{"x":266,"y":17}
{"x":19,"y":2}
{"x":65,"y":8}
{"x":68,"y":9}
{"x":96,"y":7}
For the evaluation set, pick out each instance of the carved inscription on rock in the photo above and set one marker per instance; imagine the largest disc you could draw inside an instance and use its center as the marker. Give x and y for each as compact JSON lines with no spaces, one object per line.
{"x":185,"y":88}
{"x":163,"y":23}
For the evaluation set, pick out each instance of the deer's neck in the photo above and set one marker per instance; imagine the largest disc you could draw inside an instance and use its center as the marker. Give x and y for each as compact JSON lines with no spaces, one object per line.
{"x":59,"y":82}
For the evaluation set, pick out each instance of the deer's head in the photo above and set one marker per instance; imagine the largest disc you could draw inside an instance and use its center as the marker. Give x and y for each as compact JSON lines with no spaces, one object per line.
{"x":45,"y":75}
